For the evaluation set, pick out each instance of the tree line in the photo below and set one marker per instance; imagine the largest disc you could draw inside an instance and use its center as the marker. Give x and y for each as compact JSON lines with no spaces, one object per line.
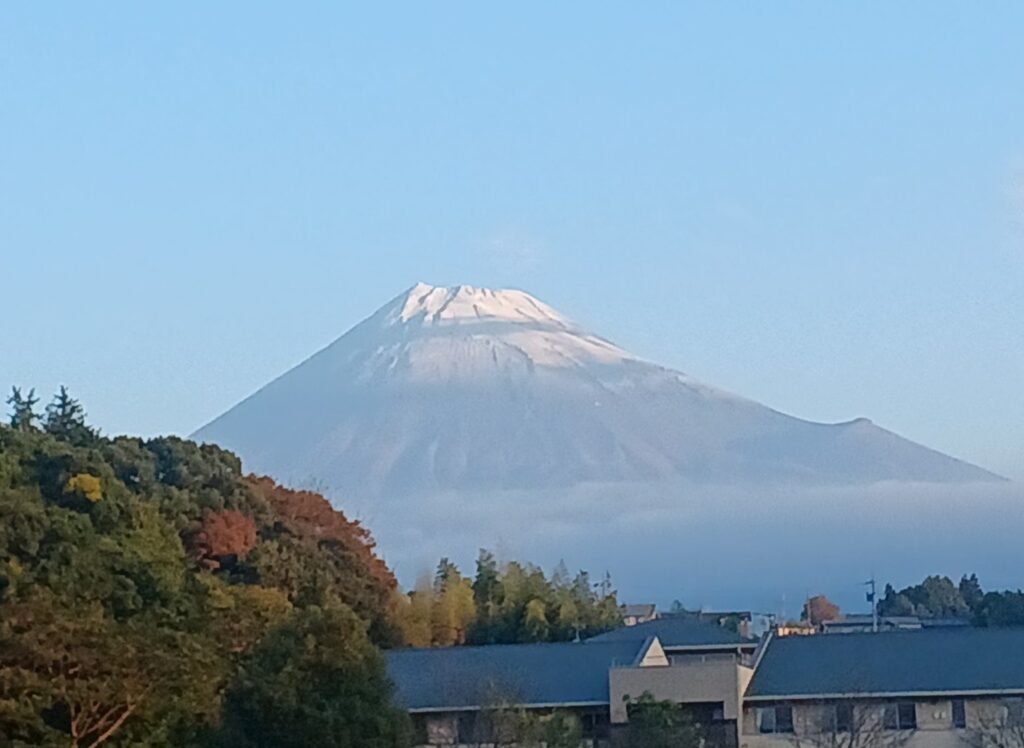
{"x":939,"y":597}
{"x":152,"y":594}
{"x":506,"y":603}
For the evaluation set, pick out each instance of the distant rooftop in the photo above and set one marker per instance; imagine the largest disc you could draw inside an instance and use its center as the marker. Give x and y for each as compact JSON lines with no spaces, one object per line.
{"x":937,"y":660}
{"x":637,"y":610}
{"x":454,"y":678}
{"x":676,"y":632}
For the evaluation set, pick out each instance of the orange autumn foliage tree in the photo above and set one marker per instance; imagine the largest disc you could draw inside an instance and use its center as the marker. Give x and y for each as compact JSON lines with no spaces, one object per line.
{"x":223,"y":537}
{"x":819,"y":609}
{"x":302,"y":526}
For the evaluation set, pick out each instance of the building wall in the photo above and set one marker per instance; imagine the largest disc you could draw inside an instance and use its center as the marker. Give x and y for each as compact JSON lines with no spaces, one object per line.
{"x":697,"y":682}
{"x":934,"y":726}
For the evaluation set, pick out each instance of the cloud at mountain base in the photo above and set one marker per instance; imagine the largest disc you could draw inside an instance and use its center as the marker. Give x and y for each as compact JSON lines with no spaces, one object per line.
{"x":722,"y":546}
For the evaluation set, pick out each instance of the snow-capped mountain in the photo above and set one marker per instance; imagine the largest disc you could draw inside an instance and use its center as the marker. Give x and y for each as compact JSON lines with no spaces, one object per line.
{"x":453,"y":389}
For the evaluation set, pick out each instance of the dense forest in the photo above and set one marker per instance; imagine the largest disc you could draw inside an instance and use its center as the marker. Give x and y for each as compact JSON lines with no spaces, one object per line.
{"x":152,"y":594}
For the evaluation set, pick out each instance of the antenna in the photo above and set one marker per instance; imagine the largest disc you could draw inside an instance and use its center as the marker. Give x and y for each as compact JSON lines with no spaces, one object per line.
{"x":871,"y":599}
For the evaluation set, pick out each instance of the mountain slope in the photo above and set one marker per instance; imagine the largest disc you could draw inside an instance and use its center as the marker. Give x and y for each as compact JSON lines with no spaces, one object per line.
{"x":465,"y":388}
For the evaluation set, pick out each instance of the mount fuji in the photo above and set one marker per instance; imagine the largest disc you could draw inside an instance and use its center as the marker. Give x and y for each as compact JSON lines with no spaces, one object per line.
{"x":470,"y":389}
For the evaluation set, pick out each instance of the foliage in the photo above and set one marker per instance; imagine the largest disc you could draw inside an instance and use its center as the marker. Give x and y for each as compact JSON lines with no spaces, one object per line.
{"x":511,"y":603}
{"x":85,"y":485}
{"x":23,"y":413}
{"x":141,"y":580}
{"x":502,"y":724}
{"x":862,"y":727}
{"x":993,"y":726}
{"x":659,"y":724}
{"x":819,"y":609}
{"x":65,"y":419}
{"x":316,"y":680}
{"x":938,"y":597}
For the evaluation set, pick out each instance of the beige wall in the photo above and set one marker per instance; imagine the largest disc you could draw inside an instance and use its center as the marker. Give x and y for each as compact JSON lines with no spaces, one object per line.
{"x":697,"y":682}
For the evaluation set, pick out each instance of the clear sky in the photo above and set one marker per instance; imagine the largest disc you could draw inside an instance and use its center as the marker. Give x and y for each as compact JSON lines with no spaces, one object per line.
{"x":817,"y":205}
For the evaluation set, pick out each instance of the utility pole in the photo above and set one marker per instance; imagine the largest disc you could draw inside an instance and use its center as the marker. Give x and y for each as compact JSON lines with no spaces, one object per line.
{"x":874,"y":606}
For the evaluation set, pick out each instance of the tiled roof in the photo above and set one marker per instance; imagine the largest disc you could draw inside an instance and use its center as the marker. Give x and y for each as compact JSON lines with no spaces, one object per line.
{"x":676,"y":632}
{"x":941,"y":660}
{"x":455,"y":678}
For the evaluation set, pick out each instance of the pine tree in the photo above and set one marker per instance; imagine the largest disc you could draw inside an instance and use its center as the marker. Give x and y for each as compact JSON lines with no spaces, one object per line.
{"x":23,"y":415}
{"x":65,"y":418}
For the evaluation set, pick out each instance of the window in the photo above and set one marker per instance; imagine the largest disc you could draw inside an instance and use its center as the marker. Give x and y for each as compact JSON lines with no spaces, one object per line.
{"x":1015,"y":712}
{"x":775,"y":719}
{"x":839,"y":718}
{"x":959,"y":713}
{"x":901,"y":716}
{"x":466,"y":728}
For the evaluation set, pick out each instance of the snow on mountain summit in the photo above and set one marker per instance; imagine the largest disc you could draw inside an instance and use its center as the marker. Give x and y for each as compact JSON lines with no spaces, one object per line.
{"x":438,"y":305}
{"x":463,"y":331}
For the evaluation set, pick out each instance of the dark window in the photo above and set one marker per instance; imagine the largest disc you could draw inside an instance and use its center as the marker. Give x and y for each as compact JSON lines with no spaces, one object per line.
{"x":467,"y":728}
{"x":844,"y":718}
{"x":959,"y":713}
{"x":908,"y":715}
{"x":783,"y":719}
{"x":901,"y":716}
{"x":890,"y":717}
{"x":775,"y":719}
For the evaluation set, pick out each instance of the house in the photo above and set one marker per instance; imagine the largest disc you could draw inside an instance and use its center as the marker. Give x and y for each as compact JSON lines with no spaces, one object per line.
{"x":685,"y":638}
{"x":933,"y":687}
{"x":634,"y":614}
{"x":936,"y":688}
{"x":453,"y":693}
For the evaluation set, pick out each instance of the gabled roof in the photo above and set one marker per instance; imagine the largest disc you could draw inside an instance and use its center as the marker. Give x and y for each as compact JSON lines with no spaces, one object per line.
{"x":929,"y":661}
{"x":454,"y":678}
{"x":677,"y":632}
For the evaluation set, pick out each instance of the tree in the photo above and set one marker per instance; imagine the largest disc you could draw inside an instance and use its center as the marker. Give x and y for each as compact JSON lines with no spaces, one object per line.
{"x":819,"y":609}
{"x":65,"y":418}
{"x":453,"y":610}
{"x":222,"y":538}
{"x":112,"y":634}
{"x":994,"y":727}
{"x":659,"y":724}
{"x":935,"y":597}
{"x":413,"y":614}
{"x":847,"y":725}
{"x":536,"y":622}
{"x":23,"y":415}
{"x":1000,"y":609}
{"x":73,"y":672}
{"x":315,"y":681}
{"x":970,"y":591}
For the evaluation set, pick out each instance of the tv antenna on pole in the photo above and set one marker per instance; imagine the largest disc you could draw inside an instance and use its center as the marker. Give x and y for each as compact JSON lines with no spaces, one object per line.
{"x":870,"y":584}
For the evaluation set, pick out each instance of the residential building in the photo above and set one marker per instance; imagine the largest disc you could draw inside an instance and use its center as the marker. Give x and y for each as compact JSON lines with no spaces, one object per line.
{"x":634,"y":614}
{"x":453,"y":693}
{"x":935,"y":688}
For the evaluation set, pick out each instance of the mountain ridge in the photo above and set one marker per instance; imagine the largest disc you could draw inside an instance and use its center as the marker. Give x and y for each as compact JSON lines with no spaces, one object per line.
{"x":448,"y":388}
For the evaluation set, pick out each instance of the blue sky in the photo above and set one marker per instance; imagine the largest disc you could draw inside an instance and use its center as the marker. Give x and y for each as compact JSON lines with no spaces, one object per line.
{"x":819,"y":206}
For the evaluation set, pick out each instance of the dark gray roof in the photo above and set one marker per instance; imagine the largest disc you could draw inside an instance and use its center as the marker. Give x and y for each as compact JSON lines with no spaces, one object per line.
{"x":941,"y":660}
{"x":677,"y":632}
{"x":455,"y":678}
